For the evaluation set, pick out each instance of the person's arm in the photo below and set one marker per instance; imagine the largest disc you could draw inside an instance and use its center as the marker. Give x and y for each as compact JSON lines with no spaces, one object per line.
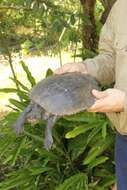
{"x":102,"y":67}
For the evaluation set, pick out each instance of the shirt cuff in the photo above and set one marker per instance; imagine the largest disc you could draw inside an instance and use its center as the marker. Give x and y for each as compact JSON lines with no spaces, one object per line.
{"x":91,"y":67}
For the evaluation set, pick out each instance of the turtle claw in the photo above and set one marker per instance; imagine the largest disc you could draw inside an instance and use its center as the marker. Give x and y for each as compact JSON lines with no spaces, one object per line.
{"x":48,"y":143}
{"x":18,"y":129}
{"x":18,"y":126}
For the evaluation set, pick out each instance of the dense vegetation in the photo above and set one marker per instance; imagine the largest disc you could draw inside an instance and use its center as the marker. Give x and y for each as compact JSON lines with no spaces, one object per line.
{"x":82,"y":156}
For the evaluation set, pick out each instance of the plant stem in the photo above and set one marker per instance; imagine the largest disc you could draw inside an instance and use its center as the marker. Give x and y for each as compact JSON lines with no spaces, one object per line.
{"x":8,"y":54}
{"x":60,"y":55}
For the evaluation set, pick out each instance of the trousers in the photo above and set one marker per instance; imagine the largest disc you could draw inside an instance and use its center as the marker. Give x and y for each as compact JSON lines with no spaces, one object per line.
{"x":121,"y":161}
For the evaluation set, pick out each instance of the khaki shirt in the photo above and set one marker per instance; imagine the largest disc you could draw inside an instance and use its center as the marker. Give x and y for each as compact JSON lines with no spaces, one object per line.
{"x":111,"y":63}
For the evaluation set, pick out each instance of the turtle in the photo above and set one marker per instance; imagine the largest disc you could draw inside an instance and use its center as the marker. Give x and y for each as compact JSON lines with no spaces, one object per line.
{"x":56,"y":96}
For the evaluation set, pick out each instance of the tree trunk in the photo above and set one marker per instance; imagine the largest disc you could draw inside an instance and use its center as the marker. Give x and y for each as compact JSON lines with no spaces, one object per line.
{"x":107,"y":5}
{"x":89,"y":26}
{"x":89,"y":36}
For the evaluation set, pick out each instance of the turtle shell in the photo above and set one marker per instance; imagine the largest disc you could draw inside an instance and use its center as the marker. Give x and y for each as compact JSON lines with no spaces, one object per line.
{"x":65,"y":94}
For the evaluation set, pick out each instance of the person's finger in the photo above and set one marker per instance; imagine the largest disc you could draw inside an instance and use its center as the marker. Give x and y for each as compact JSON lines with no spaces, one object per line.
{"x":99,"y":94}
{"x":64,"y":69}
{"x":60,"y":71}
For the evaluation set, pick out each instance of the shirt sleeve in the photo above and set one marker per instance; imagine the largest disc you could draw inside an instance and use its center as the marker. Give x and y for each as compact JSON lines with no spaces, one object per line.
{"x":125,"y":103}
{"x":102,"y":67}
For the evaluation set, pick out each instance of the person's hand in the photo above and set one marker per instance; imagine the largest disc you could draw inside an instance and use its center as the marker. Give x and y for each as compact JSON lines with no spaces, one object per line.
{"x":71,"y":67}
{"x":110,"y":100}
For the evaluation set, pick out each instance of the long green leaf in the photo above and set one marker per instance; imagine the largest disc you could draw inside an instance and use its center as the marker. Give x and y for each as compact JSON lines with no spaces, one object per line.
{"x":28,"y":73}
{"x":39,"y":170}
{"x":17,"y":104}
{"x":83,"y":117}
{"x":23,"y":95}
{"x":104,"y":130}
{"x":79,"y":180}
{"x":34,"y":137}
{"x":17,"y":151}
{"x":98,"y":161}
{"x":93,"y":133}
{"x":15,"y":182}
{"x":21,"y":85}
{"x":109,"y":181}
{"x":49,"y":72}
{"x":77,"y":131}
{"x":97,"y":150}
{"x":8,"y":90}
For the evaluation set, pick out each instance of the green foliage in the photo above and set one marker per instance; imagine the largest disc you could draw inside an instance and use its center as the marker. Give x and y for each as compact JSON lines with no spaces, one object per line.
{"x":78,"y":181}
{"x":36,"y":27}
{"x":49,"y":73}
{"x":23,"y":91}
{"x":71,"y":164}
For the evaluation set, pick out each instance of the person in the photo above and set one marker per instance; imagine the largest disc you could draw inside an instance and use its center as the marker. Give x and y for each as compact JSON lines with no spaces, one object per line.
{"x":110,"y":66}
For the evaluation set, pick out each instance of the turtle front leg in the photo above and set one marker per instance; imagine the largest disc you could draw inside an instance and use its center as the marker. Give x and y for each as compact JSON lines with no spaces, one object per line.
{"x":21,"y":120}
{"x":48,"y":141}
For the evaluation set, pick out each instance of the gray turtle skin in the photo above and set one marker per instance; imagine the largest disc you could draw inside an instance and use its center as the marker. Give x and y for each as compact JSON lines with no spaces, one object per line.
{"x":56,"y":96}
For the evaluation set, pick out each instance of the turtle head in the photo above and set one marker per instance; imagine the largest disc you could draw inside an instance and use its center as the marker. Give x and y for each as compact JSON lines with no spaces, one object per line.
{"x":36,"y":113}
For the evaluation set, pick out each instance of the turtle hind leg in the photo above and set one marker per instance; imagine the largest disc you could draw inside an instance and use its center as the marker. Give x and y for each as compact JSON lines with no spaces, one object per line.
{"x":48,"y":141}
{"x":18,"y":126}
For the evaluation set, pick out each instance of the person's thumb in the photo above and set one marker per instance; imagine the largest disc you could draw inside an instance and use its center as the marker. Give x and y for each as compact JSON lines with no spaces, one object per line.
{"x":99,"y":94}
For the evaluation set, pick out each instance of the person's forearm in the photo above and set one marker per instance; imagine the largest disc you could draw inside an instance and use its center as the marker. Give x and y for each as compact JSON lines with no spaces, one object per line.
{"x":102,"y":68}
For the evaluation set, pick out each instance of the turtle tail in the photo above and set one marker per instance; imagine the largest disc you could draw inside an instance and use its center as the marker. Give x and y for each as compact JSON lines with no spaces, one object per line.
{"x":18,"y":125}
